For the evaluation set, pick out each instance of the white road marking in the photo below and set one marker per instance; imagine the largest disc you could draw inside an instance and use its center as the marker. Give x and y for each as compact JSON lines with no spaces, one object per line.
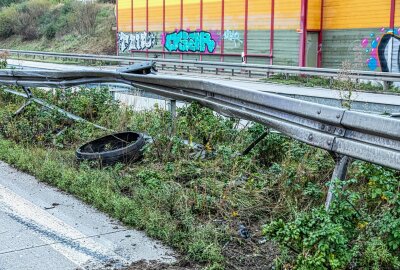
{"x":51,"y":229}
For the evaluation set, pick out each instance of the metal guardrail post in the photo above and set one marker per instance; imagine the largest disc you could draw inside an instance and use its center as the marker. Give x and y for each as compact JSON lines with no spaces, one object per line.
{"x":342,"y":163}
{"x":254,"y":143}
{"x":172,"y":110}
{"x":385,"y":86}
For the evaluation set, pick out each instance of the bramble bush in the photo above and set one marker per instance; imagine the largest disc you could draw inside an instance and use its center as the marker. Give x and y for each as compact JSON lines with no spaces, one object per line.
{"x":360,"y":230}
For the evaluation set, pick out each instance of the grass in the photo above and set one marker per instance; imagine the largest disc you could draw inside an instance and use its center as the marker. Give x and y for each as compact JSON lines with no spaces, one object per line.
{"x":68,"y":43}
{"x":146,"y":210}
{"x":314,"y":81}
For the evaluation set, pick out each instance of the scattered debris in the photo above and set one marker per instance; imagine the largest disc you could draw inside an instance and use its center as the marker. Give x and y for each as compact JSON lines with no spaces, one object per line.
{"x":119,"y":147}
{"x":53,"y":205}
{"x":244,"y":232}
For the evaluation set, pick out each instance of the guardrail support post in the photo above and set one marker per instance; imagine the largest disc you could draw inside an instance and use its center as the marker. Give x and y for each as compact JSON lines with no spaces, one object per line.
{"x":172,"y":110}
{"x":188,"y":69}
{"x":342,"y":163}
{"x":26,"y":104}
{"x":201,"y":70}
{"x":112,"y":94}
{"x":254,"y":143}
{"x":385,"y":86}
{"x":174,"y":67}
{"x":233,"y":72}
{"x":216,"y":71}
{"x":249,"y":73}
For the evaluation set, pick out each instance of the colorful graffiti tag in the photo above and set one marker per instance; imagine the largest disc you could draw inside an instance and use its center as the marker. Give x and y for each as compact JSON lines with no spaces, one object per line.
{"x":136,"y":41}
{"x":388,"y":53}
{"x":383,"y":50}
{"x":190,"y":41}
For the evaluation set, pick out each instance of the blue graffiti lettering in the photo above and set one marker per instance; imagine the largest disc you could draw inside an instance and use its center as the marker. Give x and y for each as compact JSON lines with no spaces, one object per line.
{"x":184,"y":41}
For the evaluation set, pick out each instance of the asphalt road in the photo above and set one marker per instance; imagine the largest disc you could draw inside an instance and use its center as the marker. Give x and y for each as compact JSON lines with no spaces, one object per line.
{"x":44,"y":228}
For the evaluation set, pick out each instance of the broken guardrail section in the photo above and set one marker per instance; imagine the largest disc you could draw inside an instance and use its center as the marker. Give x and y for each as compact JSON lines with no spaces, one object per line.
{"x":358,"y":135}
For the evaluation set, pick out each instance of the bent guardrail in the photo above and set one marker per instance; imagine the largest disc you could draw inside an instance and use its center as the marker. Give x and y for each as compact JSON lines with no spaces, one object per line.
{"x":345,"y":133}
{"x":218,"y":66}
{"x":363,"y":136}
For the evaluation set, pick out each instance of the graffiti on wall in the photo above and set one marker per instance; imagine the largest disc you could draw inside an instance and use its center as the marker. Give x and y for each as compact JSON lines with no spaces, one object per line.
{"x":233,"y":36}
{"x":136,"y":41}
{"x":383,"y":50}
{"x":190,"y":41}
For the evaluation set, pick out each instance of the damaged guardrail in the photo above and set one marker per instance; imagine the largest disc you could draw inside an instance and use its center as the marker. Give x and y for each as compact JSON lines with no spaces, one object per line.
{"x":345,"y":133}
{"x":219,"y":66}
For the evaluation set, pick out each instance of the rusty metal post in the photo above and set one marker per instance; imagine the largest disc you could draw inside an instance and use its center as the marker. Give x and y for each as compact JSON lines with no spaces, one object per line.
{"x":342,"y":163}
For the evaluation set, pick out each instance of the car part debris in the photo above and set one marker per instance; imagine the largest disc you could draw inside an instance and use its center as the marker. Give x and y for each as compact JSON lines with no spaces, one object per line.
{"x":119,"y":147}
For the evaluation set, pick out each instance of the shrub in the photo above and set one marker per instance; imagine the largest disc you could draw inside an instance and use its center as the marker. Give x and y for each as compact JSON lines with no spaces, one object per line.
{"x":8,"y":17}
{"x":50,"y":31}
{"x":29,"y":14}
{"x":84,"y":17}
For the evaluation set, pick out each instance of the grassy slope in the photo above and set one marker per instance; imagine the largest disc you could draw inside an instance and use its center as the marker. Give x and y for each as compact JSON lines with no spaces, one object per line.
{"x":101,"y":41}
{"x":68,"y":43}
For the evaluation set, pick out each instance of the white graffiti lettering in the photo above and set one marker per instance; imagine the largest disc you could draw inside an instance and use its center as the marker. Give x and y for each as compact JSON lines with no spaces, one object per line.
{"x":136,"y":41}
{"x":234,"y":36}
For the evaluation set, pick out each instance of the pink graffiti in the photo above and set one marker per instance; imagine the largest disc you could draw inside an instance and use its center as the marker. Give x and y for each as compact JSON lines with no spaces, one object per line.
{"x":216,"y":36}
{"x":364,"y":43}
{"x":162,"y":37}
{"x":374,"y":53}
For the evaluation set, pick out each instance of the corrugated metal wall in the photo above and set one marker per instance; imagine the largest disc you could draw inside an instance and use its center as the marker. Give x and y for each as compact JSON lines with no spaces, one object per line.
{"x":346,"y":24}
{"x":226,"y":25}
{"x":217,"y":29}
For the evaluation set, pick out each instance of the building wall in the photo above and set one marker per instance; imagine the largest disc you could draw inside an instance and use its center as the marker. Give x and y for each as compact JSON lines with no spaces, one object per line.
{"x":350,"y":28}
{"x":201,"y":29}
{"x":225,"y":27}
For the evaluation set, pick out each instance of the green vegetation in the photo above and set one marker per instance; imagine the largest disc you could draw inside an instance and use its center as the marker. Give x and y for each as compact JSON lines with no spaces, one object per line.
{"x":68,"y":26}
{"x":197,"y":203}
{"x":337,"y":84}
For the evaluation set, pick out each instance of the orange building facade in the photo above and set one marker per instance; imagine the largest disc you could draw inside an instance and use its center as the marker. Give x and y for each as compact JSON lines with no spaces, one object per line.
{"x":320,"y":33}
